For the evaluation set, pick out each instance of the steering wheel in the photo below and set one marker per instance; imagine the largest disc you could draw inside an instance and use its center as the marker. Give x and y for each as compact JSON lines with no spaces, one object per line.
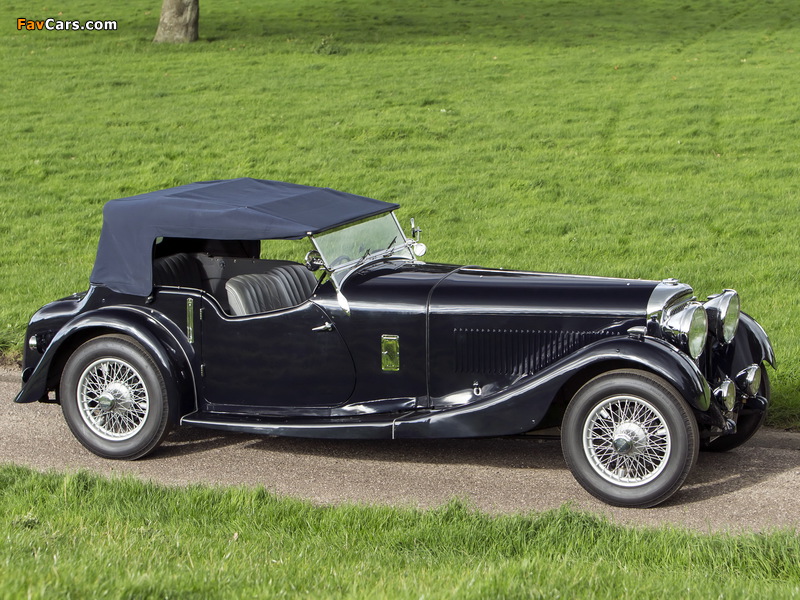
{"x":340,"y":260}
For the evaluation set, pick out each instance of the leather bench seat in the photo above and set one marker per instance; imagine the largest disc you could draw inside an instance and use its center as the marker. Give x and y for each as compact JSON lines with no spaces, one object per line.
{"x":178,"y":269}
{"x":280,"y":287}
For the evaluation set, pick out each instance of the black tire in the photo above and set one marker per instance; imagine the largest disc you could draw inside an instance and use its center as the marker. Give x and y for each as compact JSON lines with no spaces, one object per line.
{"x":641,"y":438}
{"x":747,"y":424}
{"x":114,"y":399}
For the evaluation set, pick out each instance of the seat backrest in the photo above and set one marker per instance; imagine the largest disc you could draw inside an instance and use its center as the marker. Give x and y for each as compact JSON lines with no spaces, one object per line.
{"x":280,"y":287}
{"x":297,"y":280}
{"x":178,"y":269}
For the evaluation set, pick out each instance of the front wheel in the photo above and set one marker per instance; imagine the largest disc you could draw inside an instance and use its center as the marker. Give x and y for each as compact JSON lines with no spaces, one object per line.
{"x":629,"y":438}
{"x":114,"y":399}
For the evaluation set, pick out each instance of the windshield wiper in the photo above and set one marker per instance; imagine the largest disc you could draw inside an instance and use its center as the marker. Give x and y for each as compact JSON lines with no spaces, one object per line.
{"x":390,"y":247}
{"x":363,"y":258}
{"x":385,"y":253}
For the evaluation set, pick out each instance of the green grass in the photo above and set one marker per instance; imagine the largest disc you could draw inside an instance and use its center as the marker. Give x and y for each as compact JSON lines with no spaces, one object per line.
{"x":78,"y":536}
{"x":651,"y":139}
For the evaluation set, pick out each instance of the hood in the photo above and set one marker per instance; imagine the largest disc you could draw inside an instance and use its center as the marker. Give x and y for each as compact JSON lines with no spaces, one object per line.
{"x":477,"y":290}
{"x":496,"y":291}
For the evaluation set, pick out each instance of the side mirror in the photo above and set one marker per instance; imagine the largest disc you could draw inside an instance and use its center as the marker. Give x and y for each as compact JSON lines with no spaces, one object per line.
{"x":415,"y":231}
{"x":417,"y":247}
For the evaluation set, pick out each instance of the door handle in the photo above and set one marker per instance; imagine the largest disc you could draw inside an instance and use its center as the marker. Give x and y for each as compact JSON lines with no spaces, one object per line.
{"x":327,"y":326}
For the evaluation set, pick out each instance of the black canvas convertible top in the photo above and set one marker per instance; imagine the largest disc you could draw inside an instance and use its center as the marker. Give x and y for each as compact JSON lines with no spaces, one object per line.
{"x":234,"y":209}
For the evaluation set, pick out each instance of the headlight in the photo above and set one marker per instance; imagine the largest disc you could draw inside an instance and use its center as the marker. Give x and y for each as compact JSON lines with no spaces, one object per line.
{"x":688,"y":328}
{"x":723,"y":315}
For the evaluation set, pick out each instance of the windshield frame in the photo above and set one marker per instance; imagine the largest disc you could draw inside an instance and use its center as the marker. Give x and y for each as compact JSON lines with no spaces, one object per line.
{"x":400,"y":247}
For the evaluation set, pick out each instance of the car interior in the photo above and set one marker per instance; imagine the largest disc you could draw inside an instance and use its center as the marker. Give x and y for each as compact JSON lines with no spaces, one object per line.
{"x":242,"y":286}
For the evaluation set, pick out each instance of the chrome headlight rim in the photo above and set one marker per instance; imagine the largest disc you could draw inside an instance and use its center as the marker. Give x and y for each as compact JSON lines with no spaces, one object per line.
{"x":723,"y":311}
{"x":726,"y":394}
{"x":687,"y":328}
{"x":749,"y":380}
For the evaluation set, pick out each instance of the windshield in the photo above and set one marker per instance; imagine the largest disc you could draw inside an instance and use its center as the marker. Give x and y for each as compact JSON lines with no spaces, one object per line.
{"x":344,"y":248}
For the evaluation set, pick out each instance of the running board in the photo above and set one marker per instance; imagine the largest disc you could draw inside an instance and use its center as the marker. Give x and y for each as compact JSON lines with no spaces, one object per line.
{"x":371,"y":427}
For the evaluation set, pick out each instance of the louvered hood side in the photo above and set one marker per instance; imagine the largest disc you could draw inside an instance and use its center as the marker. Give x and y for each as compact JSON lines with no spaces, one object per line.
{"x":491,"y":327}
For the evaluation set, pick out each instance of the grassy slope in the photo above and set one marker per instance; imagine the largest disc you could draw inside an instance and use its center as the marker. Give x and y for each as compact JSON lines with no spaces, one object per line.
{"x":78,"y":536}
{"x":648,"y":141}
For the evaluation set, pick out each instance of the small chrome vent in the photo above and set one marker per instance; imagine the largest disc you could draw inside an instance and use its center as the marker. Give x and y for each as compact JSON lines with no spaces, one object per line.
{"x":516,"y":351}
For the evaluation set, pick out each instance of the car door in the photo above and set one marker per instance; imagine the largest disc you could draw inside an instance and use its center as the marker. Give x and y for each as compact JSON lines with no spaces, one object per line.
{"x":275,"y":362}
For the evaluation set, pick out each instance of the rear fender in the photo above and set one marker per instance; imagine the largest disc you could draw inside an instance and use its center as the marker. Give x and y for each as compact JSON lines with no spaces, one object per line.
{"x":523,"y":405}
{"x":166,"y":344}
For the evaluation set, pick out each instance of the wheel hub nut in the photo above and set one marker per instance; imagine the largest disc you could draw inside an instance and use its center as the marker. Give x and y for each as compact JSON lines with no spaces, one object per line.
{"x":106,"y":400}
{"x":623,"y":444}
{"x":628,"y":437}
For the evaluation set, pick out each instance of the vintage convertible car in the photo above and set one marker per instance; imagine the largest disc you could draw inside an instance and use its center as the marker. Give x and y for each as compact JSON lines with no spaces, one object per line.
{"x":185,"y":323}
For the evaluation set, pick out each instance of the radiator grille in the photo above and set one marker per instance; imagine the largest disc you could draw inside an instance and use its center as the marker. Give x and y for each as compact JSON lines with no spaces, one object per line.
{"x":516,"y":351}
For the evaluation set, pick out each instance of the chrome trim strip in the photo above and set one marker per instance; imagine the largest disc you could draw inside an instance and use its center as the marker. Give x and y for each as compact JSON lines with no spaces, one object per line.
{"x":190,"y":320}
{"x":373,"y":407}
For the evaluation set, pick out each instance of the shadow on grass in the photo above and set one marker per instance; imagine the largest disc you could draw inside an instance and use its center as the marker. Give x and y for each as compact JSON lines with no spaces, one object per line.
{"x":552,"y":22}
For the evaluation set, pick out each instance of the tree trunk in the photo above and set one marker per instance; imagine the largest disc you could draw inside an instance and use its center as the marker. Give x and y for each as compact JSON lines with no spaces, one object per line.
{"x":178,"y":22}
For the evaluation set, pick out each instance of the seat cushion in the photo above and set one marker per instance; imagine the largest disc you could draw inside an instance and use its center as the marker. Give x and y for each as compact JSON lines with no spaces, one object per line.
{"x":280,"y":287}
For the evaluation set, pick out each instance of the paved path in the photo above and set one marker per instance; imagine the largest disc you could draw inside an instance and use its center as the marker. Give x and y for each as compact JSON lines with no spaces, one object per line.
{"x":756,"y":487}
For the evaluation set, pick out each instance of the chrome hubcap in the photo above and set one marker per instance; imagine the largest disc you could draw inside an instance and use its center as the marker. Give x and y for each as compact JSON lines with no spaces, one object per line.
{"x":623,"y":445}
{"x":629,"y":438}
{"x":105,"y":401}
{"x":626,"y":441}
{"x":112,"y":399}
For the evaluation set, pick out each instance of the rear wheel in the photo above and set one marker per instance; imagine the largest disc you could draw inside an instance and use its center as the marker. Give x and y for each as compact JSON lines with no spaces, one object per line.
{"x":114,"y":399}
{"x":629,"y":438}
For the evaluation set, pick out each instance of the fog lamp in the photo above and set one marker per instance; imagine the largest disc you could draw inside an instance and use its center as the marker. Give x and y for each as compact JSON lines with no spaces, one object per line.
{"x":749,"y":380}
{"x":726,"y":394}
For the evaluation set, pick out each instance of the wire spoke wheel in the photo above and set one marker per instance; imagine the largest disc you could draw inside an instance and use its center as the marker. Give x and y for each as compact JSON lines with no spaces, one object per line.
{"x":629,"y":438}
{"x":626,"y":441}
{"x":113,"y":399}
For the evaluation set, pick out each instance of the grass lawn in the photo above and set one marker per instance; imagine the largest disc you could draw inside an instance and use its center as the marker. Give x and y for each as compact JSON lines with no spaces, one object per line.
{"x":644,"y":139}
{"x":81,"y":536}
{"x":656,"y":139}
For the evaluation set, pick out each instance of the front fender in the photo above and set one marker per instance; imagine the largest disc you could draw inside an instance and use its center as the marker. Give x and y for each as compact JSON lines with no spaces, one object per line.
{"x":522,"y":406}
{"x":752,"y":342}
{"x":165,"y":343}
